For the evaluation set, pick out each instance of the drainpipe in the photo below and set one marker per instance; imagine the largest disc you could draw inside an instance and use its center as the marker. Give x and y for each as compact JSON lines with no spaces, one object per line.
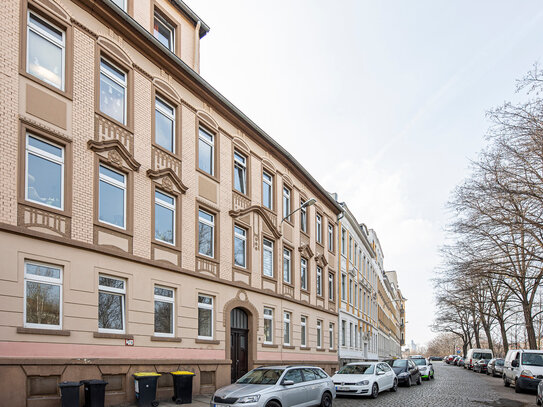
{"x":197,"y":47}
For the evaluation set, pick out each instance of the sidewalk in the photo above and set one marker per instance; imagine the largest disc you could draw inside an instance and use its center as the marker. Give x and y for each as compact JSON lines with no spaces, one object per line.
{"x":200,"y":400}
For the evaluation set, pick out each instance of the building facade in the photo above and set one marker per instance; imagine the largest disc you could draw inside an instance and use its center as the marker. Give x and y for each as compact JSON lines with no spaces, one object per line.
{"x":146,"y":224}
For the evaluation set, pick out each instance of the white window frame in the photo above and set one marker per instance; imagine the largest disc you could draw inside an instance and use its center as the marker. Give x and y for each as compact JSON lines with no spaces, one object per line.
{"x":330,"y":237}
{"x":319,"y":334}
{"x":242,"y":165}
{"x":303,"y":331}
{"x":318,"y":282}
{"x":123,"y":84}
{"x":331,"y":287}
{"x":168,"y":26}
{"x":212,"y":225}
{"x":115,"y":183}
{"x":331,"y":334}
{"x":114,"y":290}
{"x":43,"y":280}
{"x":318,"y":231}
{"x":243,"y":238}
{"x":351,"y":249}
{"x":266,"y":248}
{"x":289,"y":257}
{"x":49,"y":157}
{"x":343,"y":241}
{"x":209,"y":143}
{"x":351,"y":335}
{"x":123,"y":7}
{"x":303,"y":217}
{"x":268,"y":317}
{"x":168,"y":114}
{"x":350,"y":291}
{"x":270,"y":184}
{"x":286,"y":202}
{"x":171,"y":300}
{"x":168,"y":206}
{"x":287,"y":317}
{"x":343,"y":287}
{"x":343,"y":333}
{"x":208,"y":307}
{"x":303,"y":273}
{"x":46,"y":36}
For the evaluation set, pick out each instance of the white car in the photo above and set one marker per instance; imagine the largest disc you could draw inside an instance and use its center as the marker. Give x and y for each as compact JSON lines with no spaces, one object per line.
{"x":365,"y":379}
{"x":425,"y":367}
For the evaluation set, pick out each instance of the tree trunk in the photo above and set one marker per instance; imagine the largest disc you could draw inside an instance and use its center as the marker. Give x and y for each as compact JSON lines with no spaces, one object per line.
{"x":503,"y":331}
{"x":530,"y":331}
{"x":486,"y":327}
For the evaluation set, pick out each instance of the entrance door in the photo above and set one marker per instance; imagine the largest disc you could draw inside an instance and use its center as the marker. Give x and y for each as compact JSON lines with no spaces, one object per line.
{"x":239,"y":335}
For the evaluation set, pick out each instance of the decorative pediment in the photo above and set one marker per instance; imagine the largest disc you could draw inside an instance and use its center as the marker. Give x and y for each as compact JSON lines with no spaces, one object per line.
{"x":306,"y":251}
{"x":114,"y":49}
{"x":169,"y":180}
{"x":262,"y":213}
{"x":165,"y":88}
{"x":113,"y":151}
{"x":321,"y":260}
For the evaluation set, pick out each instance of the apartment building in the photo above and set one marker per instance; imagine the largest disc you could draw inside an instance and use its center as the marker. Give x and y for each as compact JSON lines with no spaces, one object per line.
{"x":146,"y":224}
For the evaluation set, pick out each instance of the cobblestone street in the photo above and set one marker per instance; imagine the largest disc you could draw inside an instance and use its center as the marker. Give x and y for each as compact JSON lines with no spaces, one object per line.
{"x":453,"y":386}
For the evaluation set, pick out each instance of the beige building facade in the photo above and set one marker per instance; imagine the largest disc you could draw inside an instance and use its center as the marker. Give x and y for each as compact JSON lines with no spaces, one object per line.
{"x":146,"y":224}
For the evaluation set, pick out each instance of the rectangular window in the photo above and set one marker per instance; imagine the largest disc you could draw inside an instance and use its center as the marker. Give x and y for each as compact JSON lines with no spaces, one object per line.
{"x":44,"y":173}
{"x":355,"y":294}
{"x":351,"y":335}
{"x":330,"y":237}
{"x":267,"y":190}
{"x":240,"y":247}
{"x":113,"y":84}
{"x":111,"y":304}
{"x":268,"y":325}
{"x":351,"y":291}
{"x":206,"y":234}
{"x":303,"y":328}
{"x":343,"y":333}
{"x":319,"y":334}
{"x":205,"y":317}
{"x":331,"y":335}
{"x":319,"y":229}
{"x":343,"y":287}
{"x":303,"y":217}
{"x":319,"y":281}
{"x":206,"y":151}
{"x":355,"y":253}
{"x":164,"y":217}
{"x":360,"y":260}
{"x":330,"y":286}
{"x":164,"y":311}
{"x":343,"y":242}
{"x":350,"y":249}
{"x":164,"y":32}
{"x":112,"y":197}
{"x":286,"y":266}
{"x":286,"y":203}
{"x":45,"y":51}
{"x":43,"y":296}
{"x":286,"y":328}
{"x":303,"y":273}
{"x":164,"y":125}
{"x":267,"y":257}
{"x":240,"y":173}
{"x":360,"y":298}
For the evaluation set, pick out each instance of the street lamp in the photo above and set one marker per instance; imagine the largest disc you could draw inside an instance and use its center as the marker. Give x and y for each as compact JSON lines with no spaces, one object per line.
{"x":309,"y":202}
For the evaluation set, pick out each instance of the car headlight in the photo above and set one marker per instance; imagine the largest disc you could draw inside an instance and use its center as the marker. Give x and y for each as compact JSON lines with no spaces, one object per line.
{"x":363,"y":383}
{"x":526,"y":373}
{"x":403,"y":374}
{"x":423,"y":368}
{"x":249,"y":399}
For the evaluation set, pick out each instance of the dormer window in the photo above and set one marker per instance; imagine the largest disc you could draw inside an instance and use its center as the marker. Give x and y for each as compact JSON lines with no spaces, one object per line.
{"x":164,"y":32}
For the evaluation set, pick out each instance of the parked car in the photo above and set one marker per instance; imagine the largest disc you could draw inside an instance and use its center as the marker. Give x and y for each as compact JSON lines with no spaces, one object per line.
{"x":365,"y":379}
{"x":455,"y":360}
{"x":274,"y":386}
{"x":495,"y":367}
{"x":523,"y":368}
{"x":449,"y":359}
{"x":425,"y":367}
{"x":462,"y":362}
{"x":406,"y":371}
{"x":475,"y":354}
{"x":481,"y":366}
{"x":539,"y":397}
{"x":436,"y":358}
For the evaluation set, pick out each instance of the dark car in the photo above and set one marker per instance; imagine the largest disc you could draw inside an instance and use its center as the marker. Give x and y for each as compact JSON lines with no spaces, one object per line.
{"x":461,"y":362}
{"x":406,"y":371}
{"x":435,"y":359}
{"x":481,"y":365}
{"x":495,"y":367}
{"x":539,"y":397}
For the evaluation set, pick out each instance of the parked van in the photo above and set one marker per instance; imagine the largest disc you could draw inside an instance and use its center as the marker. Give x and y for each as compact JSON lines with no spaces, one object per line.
{"x":523,"y":368}
{"x":476,"y":354}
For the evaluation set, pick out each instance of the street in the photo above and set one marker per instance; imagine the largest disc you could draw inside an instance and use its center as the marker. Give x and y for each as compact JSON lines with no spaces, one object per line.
{"x":453,"y":386}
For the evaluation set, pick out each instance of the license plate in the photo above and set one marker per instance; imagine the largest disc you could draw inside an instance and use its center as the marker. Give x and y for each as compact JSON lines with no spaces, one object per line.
{"x":342,"y":388}
{"x":219,"y":405}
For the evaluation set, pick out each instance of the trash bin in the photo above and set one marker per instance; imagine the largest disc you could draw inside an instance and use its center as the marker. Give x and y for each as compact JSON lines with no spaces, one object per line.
{"x":95,"y":392}
{"x":69,"y":392}
{"x":182,"y":387}
{"x":145,"y":385}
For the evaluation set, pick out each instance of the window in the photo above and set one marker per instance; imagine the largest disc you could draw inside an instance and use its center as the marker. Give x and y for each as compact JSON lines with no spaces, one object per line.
{"x":164,"y":32}
{"x":356,"y":338}
{"x":206,"y":234}
{"x":319,"y":334}
{"x":303,"y":217}
{"x":303,"y":273}
{"x":43,"y":296}
{"x":205,"y":317}
{"x":206,"y":151}
{"x":44,"y":173}
{"x":343,"y":287}
{"x":295,"y":375}
{"x":360,"y":298}
{"x":286,"y":203}
{"x":286,"y":328}
{"x":343,"y":242}
{"x":303,"y":325}
{"x":267,"y":258}
{"x":343,"y":333}
{"x":330,"y":237}
{"x":351,"y":335}
{"x":113,"y":85}
{"x":319,"y":281}
{"x":120,"y":3}
{"x":355,"y":294}
{"x":240,"y":173}
{"x":46,"y":51}
{"x":111,"y":304}
{"x":355,"y":253}
{"x":286,"y":266}
{"x":164,"y":125}
{"x":351,"y":291}
{"x":360,"y":260}
{"x":319,"y":229}
{"x":240,"y":247}
{"x":268,"y":325}
{"x":350,"y":249}
{"x":331,"y":335}
{"x":330,"y":286}
{"x":164,"y":217}
{"x":267,"y":190}
{"x":112,"y":197}
{"x":164,"y":311}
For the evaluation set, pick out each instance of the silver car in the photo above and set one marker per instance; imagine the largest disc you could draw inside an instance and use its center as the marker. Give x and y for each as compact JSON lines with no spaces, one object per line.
{"x":278,"y":386}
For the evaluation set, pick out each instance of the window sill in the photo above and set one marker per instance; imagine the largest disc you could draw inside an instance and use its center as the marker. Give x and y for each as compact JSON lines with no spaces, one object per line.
{"x":165,"y":339}
{"x":65,"y":93}
{"x":107,"y":335}
{"x":125,"y":232}
{"x":332,"y":350}
{"x":206,"y":258}
{"x":208,"y":175}
{"x":289,"y":347}
{"x":207,"y":341}
{"x":272,"y":279}
{"x":320,"y":244}
{"x":305,"y":291}
{"x":45,"y":208}
{"x":320,"y":350}
{"x":304,"y":348}
{"x":269,"y":345}
{"x":42,"y":331}
{"x":113,"y":121}
{"x":241,"y":269}
{"x":166,"y":151}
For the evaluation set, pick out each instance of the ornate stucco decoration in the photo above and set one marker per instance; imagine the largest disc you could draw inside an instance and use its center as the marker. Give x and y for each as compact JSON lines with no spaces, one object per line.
{"x":170,"y":180}
{"x":321,"y":260}
{"x":262,"y":213}
{"x":306,"y":251}
{"x":115,"y":152}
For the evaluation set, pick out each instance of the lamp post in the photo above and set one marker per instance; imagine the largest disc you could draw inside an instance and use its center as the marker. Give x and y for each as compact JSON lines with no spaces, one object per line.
{"x":309,"y":202}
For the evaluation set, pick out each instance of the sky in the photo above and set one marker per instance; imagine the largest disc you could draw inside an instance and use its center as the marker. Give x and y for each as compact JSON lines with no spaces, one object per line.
{"x":383,"y":102}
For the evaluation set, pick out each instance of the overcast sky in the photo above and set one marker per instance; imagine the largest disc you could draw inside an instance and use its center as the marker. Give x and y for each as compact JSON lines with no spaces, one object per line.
{"x":382,"y":101}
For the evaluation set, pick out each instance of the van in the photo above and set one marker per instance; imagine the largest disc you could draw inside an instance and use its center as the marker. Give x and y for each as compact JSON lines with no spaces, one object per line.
{"x":523,"y":368}
{"x":476,"y":354}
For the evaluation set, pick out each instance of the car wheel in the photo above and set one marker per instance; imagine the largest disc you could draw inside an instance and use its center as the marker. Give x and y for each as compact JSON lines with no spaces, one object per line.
{"x":374,"y":391}
{"x":419,"y":380}
{"x":505,"y":381}
{"x":273,"y":404}
{"x":409,"y":384}
{"x":517,"y":387}
{"x":394,"y":387}
{"x":326,"y":400}
{"x":432,"y":375}
{"x":537,"y":400}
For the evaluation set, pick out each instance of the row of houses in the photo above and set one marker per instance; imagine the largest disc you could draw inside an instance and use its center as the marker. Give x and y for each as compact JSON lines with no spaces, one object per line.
{"x":147,"y":224}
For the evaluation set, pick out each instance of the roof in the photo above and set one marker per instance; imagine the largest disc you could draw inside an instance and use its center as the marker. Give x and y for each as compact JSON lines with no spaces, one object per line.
{"x":187,"y":11}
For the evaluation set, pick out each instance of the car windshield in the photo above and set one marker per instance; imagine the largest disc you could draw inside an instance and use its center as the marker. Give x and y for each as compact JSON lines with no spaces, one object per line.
{"x":499,"y":362}
{"x":419,"y":362}
{"x":532,"y":359}
{"x":261,"y":376}
{"x":356,"y":369}
{"x":482,"y":355}
{"x":397,"y":363}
